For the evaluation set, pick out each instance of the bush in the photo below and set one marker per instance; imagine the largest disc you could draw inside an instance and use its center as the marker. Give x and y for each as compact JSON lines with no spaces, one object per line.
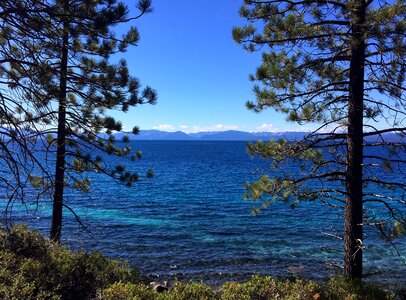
{"x":35,"y":268}
{"x":196,"y":291}
{"x":125,"y":291}
{"x":180,"y":291}
{"x":32,"y":267}
{"x":346,"y":289}
{"x":257,"y":288}
{"x":264,"y":288}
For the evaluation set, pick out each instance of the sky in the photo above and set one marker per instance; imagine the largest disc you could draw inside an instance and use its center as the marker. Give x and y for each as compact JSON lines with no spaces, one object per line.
{"x":186,"y":52}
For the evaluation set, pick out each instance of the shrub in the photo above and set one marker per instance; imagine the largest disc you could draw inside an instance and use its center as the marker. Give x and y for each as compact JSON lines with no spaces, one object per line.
{"x":180,"y":291}
{"x":125,"y":291}
{"x":264,"y":288}
{"x":346,"y":289}
{"x":32,"y":267}
{"x":35,"y":268}
{"x":23,"y":242}
{"x":196,"y":291}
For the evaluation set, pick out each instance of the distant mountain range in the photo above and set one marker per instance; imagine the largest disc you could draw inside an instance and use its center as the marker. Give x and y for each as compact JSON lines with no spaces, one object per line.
{"x":231,"y":135}
{"x":235,"y":135}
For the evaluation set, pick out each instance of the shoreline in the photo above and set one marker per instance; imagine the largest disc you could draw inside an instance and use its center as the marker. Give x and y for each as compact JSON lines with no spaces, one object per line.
{"x":33,"y":266}
{"x":216,"y":280}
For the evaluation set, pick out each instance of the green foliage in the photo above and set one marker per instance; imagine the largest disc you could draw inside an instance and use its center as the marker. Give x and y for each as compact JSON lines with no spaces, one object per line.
{"x":256,"y":288}
{"x":125,"y":291}
{"x":338,"y":67}
{"x":197,"y":291}
{"x":263,"y":288}
{"x":180,"y":291}
{"x":60,"y":88}
{"x":285,"y":188}
{"x":32,"y":267}
{"x":398,"y":229}
{"x":346,"y":289}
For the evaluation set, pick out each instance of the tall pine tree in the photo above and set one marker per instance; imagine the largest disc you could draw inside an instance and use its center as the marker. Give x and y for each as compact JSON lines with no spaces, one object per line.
{"x":60,"y":65}
{"x":17,"y":139}
{"x":340,"y":65}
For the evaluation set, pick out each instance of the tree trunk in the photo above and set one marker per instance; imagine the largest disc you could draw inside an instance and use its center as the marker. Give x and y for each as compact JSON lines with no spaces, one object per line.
{"x":353,"y":206}
{"x":56,"y":223}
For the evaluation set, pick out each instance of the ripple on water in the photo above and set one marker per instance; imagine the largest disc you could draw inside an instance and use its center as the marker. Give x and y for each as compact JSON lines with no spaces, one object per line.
{"x":192,"y":215}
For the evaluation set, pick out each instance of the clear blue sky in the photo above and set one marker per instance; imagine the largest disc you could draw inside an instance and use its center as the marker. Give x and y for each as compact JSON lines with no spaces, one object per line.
{"x":187,"y":54}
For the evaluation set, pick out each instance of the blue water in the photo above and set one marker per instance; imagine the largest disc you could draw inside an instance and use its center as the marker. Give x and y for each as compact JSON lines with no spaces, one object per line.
{"x":191,"y":222}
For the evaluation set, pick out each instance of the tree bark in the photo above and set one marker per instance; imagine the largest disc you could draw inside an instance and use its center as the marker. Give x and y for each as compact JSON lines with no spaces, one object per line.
{"x":56,"y":223}
{"x":353,"y":207}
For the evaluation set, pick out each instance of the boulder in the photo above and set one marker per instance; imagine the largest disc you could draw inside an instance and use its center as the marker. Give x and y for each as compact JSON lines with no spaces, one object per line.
{"x":159,"y":287}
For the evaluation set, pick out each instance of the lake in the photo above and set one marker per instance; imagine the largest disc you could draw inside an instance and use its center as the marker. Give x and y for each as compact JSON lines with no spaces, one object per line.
{"x":190,"y":221}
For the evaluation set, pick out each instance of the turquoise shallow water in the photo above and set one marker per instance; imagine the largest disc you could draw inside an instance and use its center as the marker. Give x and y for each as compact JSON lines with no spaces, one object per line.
{"x":191,"y":221}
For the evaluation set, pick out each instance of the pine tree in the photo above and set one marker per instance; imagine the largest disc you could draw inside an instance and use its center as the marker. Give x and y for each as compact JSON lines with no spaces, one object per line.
{"x":61,"y":68}
{"x":17,"y":159}
{"x":340,"y":65}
